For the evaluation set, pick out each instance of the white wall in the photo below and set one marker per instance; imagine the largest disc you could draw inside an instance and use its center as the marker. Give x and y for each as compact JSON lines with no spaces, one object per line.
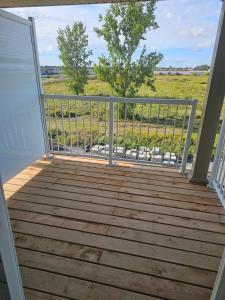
{"x":21,"y":135}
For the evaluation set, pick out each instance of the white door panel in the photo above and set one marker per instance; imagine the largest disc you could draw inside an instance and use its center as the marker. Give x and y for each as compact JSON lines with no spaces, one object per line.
{"x":21,"y":134}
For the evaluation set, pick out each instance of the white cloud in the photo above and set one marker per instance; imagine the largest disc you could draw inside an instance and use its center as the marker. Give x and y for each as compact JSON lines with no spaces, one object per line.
{"x":187,"y":24}
{"x":190,"y":22}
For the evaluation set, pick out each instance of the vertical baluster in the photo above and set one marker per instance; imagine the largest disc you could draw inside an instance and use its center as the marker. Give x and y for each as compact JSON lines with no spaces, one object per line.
{"x":117,"y":124}
{"x":70,"y":132}
{"x":84,"y":132}
{"x":56,"y":125}
{"x":157,"y":126}
{"x":63,"y":128}
{"x":49,"y":126}
{"x":149,"y":123}
{"x":149,"y":118}
{"x":182,"y":132}
{"x":76,"y":125}
{"x":222,"y":177}
{"x":221,"y":166}
{"x":91,"y":126}
{"x":124,"y":132}
{"x":105,"y":124}
{"x":111,"y":124}
{"x":156,"y":131}
{"x":140,"y":130}
{"x":166,"y":122}
{"x":174,"y":129}
{"x":132,"y":128}
{"x":98,"y":126}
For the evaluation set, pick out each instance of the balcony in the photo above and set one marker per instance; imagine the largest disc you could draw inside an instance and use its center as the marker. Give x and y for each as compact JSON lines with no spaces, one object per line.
{"x":110,"y":214}
{"x":85,"y":230}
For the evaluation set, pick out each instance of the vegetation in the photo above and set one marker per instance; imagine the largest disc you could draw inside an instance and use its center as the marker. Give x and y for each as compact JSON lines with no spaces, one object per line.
{"x":73,"y":44}
{"x":202,"y":68}
{"x":124,"y":27}
{"x":180,"y":87}
{"x":169,"y":86}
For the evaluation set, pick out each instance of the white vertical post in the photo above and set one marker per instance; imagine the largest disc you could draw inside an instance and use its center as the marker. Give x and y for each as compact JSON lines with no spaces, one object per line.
{"x":111,"y":125}
{"x":218,"y":292}
{"x":219,"y":151}
{"x":188,"y":140}
{"x":39,"y":85}
{"x":8,"y":252}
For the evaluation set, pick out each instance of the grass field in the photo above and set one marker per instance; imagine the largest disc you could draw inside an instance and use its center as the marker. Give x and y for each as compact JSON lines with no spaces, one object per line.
{"x":167,"y":86}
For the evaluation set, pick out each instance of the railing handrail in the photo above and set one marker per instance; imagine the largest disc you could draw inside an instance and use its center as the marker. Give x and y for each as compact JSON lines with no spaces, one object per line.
{"x":181,"y":157}
{"x":138,"y":100}
{"x":218,"y":166}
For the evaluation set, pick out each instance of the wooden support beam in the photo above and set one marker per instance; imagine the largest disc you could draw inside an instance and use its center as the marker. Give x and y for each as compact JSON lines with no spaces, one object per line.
{"x":212,"y":107}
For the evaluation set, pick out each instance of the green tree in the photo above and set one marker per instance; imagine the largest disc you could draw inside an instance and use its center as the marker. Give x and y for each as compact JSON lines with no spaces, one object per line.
{"x":72,"y":43}
{"x":124,"y":27}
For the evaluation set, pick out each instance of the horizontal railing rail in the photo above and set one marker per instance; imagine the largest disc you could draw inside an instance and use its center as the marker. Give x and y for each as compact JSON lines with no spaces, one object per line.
{"x":217,"y":179}
{"x":136,"y":129}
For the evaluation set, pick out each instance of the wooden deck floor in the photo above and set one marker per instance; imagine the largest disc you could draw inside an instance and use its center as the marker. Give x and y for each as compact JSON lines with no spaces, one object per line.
{"x":87,"y":231}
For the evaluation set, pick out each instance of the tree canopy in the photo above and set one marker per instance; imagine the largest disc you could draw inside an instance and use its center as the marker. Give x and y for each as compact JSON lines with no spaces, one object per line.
{"x":128,"y":65}
{"x":73,"y":42}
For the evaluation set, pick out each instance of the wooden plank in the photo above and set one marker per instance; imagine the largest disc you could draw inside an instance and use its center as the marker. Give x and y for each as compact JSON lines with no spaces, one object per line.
{"x":105,"y":190}
{"x":95,"y":291}
{"x":99,"y":219}
{"x":100,"y":292}
{"x":109,"y":171}
{"x":151,"y":185}
{"x":166,"y":241}
{"x":144,"y":180}
{"x":160,"y":269}
{"x":117,"y":259}
{"x":88,"y":226}
{"x":60,"y":285}
{"x":124,"y":233}
{"x":114,"y":244}
{"x":129,"y":166}
{"x":140,"y":283}
{"x":109,"y":184}
{"x":57,"y":247}
{"x":29,"y":294}
{"x":211,"y":210}
{"x":95,"y":210}
{"x":104,"y":205}
{"x":36,"y":295}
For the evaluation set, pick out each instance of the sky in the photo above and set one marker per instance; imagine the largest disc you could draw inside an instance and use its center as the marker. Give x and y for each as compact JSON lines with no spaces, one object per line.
{"x":185,"y":37}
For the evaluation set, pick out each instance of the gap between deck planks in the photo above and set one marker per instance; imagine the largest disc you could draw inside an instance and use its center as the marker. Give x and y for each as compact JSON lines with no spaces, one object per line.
{"x":127,"y":234}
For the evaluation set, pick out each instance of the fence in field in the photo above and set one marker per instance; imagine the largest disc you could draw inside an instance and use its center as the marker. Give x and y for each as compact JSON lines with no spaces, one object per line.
{"x":137,"y":129}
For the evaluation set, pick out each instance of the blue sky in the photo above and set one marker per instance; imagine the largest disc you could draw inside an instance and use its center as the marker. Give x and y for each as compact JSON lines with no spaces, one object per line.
{"x":186,"y":35}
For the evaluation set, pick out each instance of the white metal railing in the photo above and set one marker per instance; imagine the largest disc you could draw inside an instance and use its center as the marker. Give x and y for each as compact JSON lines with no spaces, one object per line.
{"x":136,"y":129}
{"x":217,"y":180}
